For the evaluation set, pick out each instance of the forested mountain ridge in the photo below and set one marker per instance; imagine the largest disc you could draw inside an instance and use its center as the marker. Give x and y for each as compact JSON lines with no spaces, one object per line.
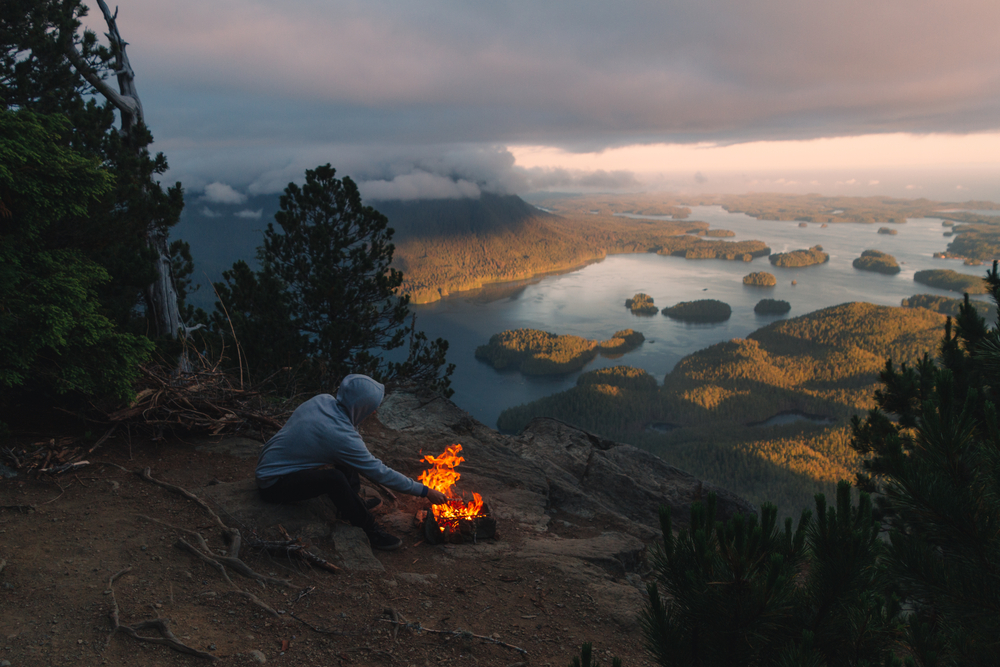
{"x":448,"y":246}
{"x":824,"y":364}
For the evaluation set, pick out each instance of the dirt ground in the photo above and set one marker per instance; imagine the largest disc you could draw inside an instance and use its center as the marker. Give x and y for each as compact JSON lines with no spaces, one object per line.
{"x":63,"y":538}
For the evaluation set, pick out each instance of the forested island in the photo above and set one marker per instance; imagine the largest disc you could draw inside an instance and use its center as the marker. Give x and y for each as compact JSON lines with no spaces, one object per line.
{"x":948,"y":306}
{"x":950,"y":280}
{"x":823,"y":363}
{"x":693,"y":248}
{"x":888,"y":230}
{"x":760,"y":279}
{"x":877,"y":261}
{"x":535,"y":352}
{"x":641,"y":304}
{"x":772,"y":307}
{"x":799,"y":258}
{"x":703,"y":311}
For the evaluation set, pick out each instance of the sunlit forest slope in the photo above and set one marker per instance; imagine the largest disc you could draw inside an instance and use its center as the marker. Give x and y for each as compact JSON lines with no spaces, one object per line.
{"x":708,"y":416}
{"x":456,"y":245}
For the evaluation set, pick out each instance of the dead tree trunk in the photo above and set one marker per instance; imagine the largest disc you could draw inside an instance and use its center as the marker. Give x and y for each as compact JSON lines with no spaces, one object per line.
{"x":161,"y":296}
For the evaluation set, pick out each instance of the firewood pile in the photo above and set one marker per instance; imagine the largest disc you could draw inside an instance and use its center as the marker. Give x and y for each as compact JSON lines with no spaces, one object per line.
{"x":206,"y":402}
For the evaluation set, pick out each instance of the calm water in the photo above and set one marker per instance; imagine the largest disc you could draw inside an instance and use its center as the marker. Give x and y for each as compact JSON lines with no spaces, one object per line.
{"x":590,"y":302}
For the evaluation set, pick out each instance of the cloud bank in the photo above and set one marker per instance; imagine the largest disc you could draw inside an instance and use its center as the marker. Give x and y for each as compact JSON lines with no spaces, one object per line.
{"x":252,"y":93}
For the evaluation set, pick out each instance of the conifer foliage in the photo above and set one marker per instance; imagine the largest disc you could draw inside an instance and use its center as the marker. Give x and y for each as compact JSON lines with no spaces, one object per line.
{"x":325,"y":302}
{"x":932,"y":449}
{"x":746,"y":592}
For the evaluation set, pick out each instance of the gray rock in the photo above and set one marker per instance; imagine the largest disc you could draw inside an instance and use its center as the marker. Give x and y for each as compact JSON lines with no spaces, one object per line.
{"x":258,"y":657}
{"x":313,"y":521}
{"x":616,"y":553}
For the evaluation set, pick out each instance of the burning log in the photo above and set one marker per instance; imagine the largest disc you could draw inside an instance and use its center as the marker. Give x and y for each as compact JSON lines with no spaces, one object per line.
{"x":455,"y":520}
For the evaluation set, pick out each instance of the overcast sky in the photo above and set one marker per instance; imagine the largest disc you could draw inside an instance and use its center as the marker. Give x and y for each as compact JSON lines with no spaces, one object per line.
{"x":447,"y":99}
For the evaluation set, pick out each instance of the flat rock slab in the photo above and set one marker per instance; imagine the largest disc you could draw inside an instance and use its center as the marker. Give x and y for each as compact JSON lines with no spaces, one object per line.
{"x":312,"y":521}
{"x":616,"y":553}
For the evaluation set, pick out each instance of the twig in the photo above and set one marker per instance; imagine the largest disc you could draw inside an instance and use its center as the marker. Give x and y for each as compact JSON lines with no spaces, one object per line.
{"x":304,"y":592}
{"x":323,"y":631}
{"x":257,"y":601}
{"x":454,"y":633}
{"x":61,"y":492}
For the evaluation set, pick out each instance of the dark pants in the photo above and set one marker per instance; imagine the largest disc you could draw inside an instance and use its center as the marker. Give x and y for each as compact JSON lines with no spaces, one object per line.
{"x":341,"y":484}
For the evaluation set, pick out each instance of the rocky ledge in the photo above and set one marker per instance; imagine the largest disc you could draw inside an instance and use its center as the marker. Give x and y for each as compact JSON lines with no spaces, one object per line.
{"x":577,"y":502}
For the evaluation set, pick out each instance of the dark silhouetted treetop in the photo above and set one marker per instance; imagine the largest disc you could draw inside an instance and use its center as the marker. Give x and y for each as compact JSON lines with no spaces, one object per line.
{"x":641,"y":304}
{"x":798,"y":258}
{"x":953,"y":281}
{"x":877,"y":261}
{"x":701,"y":311}
{"x":760,"y":279}
{"x":327,"y":274}
{"x":930,"y":451}
{"x":772,"y":307}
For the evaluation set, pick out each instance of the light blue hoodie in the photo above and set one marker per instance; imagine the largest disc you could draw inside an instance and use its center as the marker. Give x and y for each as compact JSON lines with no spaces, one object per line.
{"x":324,"y":430}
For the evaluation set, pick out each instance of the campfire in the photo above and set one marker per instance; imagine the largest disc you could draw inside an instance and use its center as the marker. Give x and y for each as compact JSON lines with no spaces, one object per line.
{"x":456,"y":520}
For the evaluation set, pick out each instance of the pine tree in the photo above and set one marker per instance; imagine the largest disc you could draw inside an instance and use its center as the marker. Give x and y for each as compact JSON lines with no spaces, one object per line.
{"x":745,"y":592}
{"x":932,"y":449}
{"x":326,"y":301}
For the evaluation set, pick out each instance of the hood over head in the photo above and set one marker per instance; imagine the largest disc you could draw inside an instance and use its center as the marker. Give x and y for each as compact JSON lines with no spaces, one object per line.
{"x":360,"y":396}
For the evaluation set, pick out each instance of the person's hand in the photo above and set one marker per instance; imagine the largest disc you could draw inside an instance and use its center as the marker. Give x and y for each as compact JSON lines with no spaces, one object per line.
{"x":436,"y":497}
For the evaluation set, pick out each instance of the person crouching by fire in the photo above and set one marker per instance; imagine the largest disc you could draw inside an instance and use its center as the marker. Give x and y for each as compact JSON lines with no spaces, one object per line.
{"x":324,"y":430}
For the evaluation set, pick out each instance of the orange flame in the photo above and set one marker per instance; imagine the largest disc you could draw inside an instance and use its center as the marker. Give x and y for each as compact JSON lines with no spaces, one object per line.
{"x":442,"y":477}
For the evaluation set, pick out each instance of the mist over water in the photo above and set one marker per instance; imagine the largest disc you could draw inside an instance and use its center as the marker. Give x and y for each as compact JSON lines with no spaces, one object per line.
{"x":590,"y":302}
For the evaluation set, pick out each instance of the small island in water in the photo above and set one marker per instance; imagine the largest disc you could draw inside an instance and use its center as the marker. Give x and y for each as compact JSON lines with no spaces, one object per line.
{"x":704,"y":311}
{"x":760,"y":279}
{"x":772,"y":307}
{"x":535,"y":352}
{"x":641,"y":304}
{"x":877,"y":261}
{"x":798,"y":258}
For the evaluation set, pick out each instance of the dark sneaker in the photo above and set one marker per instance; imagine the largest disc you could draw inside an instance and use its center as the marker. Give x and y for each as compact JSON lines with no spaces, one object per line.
{"x":372,"y":503}
{"x":380,"y":539}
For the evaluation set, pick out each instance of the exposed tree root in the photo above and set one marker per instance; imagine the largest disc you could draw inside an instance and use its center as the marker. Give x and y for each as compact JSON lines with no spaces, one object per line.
{"x":166,"y":638}
{"x":454,"y":633}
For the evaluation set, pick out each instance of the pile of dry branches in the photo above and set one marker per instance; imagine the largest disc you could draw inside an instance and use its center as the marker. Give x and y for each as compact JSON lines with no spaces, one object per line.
{"x":203,"y":402}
